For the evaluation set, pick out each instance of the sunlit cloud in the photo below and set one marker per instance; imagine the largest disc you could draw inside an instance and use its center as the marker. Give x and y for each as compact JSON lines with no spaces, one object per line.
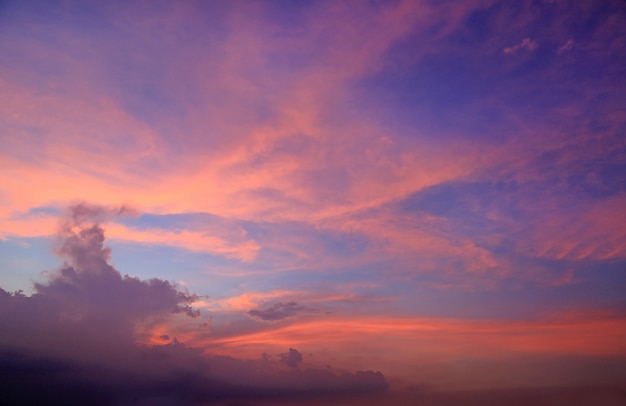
{"x":527,"y":44}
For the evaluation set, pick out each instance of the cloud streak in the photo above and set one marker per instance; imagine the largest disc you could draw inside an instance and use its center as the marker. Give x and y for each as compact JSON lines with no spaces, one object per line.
{"x":279,"y":311}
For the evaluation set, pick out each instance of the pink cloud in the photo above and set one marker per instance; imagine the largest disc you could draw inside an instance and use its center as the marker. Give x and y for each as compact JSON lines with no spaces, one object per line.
{"x":400,"y":344}
{"x":595,"y":233}
{"x":566,"y":47}
{"x":527,"y":44}
{"x":224,"y":178}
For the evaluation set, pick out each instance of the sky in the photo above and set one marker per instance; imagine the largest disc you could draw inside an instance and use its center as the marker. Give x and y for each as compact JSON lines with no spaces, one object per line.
{"x":301,"y":202}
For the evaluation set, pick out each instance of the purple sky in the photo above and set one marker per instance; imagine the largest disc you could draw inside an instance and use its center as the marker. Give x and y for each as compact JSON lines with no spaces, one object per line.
{"x":317,"y":201}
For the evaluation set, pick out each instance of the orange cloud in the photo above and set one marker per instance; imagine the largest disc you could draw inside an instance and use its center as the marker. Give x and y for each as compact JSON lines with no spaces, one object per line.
{"x":189,"y":240}
{"x":597,"y":233}
{"x":417,"y":347}
{"x":446,"y":338}
{"x":95,"y":144}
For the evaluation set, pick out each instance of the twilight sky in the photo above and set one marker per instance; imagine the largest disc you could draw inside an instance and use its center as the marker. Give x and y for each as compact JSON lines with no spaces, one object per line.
{"x":294,"y":201}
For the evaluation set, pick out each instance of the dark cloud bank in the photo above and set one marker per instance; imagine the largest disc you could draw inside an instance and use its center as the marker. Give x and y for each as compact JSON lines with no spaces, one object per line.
{"x":279,"y":311}
{"x":72,"y":341}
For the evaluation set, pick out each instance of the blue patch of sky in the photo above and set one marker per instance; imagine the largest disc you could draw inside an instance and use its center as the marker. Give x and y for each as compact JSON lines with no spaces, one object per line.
{"x":288,"y":20}
{"x":175,"y":265}
{"x":446,"y":93}
{"x":469,"y":206}
{"x":268,"y":259}
{"x":344,"y":244}
{"x":45,"y":24}
{"x":154,"y":74}
{"x":453,"y":87}
{"x":46,"y":210}
{"x":602,"y":285}
{"x":471,"y":203}
{"x":596,"y":285}
{"x":209,"y":274}
{"x":588,"y":177}
{"x":22,"y":260}
{"x":601,"y":182}
{"x":422,"y":95}
{"x":468,"y":202}
{"x":329,"y":278}
{"x":189,"y":221}
{"x":600,"y":282}
{"x":481,"y":24}
{"x":332,"y":242}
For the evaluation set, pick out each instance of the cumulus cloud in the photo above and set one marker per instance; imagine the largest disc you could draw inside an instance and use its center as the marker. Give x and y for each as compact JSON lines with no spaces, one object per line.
{"x":279,"y":311}
{"x":73,"y":341}
{"x":86,"y":308}
{"x":527,"y":44}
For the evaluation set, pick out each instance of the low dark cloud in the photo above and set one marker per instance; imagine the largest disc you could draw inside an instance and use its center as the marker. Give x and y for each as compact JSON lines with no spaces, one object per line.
{"x":86,"y":309}
{"x":279,"y":311}
{"x":73,"y":340}
{"x":292,"y":358}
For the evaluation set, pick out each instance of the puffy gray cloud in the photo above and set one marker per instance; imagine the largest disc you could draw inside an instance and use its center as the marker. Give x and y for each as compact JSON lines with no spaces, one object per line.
{"x":72,"y":341}
{"x":86,"y":309}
